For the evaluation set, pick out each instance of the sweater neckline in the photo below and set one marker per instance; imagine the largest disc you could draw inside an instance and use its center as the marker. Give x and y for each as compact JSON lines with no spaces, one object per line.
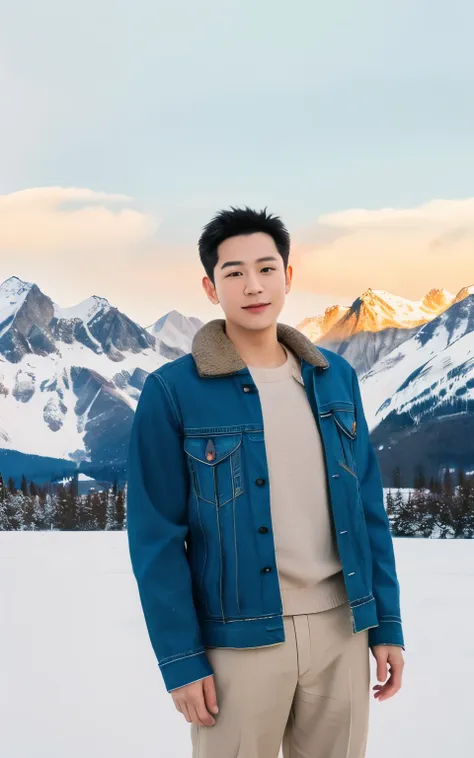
{"x":277,"y":374}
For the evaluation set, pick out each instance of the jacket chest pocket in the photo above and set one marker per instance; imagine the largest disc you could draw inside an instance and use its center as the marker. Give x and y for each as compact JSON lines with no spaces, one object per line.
{"x":215,"y":466}
{"x":343,"y":418}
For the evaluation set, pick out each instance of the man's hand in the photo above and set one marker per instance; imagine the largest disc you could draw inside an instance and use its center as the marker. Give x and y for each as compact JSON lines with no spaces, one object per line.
{"x":388,"y":656}
{"x":196,"y":700}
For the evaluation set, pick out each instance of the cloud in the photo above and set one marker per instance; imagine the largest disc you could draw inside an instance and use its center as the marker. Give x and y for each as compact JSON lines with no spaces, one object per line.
{"x":447,"y":239}
{"x":402,"y":250}
{"x":54,"y":221}
{"x":447,"y":214}
{"x":320,"y":235}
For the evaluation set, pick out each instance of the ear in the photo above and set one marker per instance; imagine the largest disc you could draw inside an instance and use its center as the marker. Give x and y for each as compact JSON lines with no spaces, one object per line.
{"x":210,"y":290}
{"x":289,"y":277}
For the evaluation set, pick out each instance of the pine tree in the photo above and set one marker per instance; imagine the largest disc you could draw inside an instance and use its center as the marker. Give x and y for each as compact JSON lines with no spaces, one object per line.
{"x":446,"y":514}
{"x":24,"y":486}
{"x":74,"y":485}
{"x":96,"y":510}
{"x":462,"y":515}
{"x":66,"y":518}
{"x":110,"y":524}
{"x":419,"y":479}
{"x":404,"y":520}
{"x":28,"y":513}
{"x":49,"y":513}
{"x":390,"y":506}
{"x":448,"y":484}
{"x":86,"y":517}
{"x":16,"y":510}
{"x":10,"y":516}
{"x":11,"y":486}
{"x":125,"y":490}
{"x":424,"y":517}
{"x":120,"y":510}
{"x":102,"y":509}
{"x":38,"y":513}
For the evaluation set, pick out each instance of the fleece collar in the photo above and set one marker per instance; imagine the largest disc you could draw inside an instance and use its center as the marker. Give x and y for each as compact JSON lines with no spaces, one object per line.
{"x":215,"y":355}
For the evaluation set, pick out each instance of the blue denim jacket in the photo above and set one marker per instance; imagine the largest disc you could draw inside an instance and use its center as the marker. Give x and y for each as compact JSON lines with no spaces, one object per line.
{"x":198,"y":506}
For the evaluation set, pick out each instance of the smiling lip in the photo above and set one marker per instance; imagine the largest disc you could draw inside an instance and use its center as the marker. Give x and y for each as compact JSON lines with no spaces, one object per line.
{"x":256,"y":307}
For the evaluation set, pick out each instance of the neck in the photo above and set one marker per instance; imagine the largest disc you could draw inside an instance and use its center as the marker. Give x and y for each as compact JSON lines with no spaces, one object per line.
{"x":259,"y":348}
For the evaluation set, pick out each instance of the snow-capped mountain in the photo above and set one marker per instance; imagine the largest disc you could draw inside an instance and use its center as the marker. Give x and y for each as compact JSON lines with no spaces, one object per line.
{"x":433,"y":367}
{"x":315,"y":327}
{"x":375,"y":310}
{"x":173,"y":333}
{"x":70,"y":378}
{"x":419,"y":397}
{"x":415,"y":362}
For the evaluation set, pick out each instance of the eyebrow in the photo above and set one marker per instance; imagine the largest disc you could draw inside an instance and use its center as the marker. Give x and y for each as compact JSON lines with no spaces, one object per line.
{"x":241,"y":263}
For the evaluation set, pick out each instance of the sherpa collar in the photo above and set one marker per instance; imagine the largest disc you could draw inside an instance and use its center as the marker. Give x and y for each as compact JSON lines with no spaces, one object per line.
{"x":215,"y":355}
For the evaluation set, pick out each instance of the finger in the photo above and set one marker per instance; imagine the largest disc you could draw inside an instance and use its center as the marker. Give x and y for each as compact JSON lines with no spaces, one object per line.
{"x":210,"y":694}
{"x":185,"y":711}
{"x":382,"y":670}
{"x":194,"y":714}
{"x":205,"y":718}
{"x":396,"y":672}
{"x":387,"y":690}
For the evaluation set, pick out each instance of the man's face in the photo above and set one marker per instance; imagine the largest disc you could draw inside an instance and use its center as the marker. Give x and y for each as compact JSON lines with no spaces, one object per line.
{"x":249,"y":271}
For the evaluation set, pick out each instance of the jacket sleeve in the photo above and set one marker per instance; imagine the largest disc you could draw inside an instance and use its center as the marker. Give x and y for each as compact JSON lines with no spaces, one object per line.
{"x":385,"y":583}
{"x":157,"y":491}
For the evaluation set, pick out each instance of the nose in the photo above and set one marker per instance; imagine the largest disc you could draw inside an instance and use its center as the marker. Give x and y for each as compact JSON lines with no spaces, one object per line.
{"x":253,"y":285}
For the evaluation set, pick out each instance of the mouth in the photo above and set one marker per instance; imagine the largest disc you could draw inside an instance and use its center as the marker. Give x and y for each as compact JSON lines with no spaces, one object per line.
{"x":256,"y":308}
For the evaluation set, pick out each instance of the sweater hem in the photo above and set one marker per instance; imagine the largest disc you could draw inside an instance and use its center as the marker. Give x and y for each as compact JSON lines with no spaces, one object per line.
{"x":323,"y":597}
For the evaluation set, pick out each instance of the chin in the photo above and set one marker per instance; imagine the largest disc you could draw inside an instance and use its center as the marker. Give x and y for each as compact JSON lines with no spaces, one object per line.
{"x":256,"y":323}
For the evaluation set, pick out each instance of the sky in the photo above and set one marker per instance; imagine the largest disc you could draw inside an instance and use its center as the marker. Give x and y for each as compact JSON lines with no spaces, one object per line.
{"x":125,"y":126}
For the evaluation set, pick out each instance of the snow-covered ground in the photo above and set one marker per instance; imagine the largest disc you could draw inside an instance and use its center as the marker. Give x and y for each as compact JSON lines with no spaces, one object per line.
{"x":78,"y":676}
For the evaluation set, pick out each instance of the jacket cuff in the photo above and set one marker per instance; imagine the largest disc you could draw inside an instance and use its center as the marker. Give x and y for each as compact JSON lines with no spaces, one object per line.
{"x":387,"y":633}
{"x":185,"y":670}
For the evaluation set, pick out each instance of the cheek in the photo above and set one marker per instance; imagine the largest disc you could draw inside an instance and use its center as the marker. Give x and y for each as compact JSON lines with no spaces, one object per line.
{"x":228,"y":291}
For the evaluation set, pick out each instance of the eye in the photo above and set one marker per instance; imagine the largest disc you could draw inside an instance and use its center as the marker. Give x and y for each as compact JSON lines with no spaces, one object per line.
{"x":268,"y":268}
{"x":233,"y":273}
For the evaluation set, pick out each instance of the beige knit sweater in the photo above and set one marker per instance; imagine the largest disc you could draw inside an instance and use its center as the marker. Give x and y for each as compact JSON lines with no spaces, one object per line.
{"x":309,"y":568}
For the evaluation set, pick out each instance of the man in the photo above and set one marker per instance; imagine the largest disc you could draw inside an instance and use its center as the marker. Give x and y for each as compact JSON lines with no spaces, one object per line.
{"x":256,"y":524}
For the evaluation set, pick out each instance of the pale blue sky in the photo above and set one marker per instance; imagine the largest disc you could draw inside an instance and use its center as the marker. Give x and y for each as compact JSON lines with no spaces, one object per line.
{"x":191,"y":106}
{"x":187,"y":106}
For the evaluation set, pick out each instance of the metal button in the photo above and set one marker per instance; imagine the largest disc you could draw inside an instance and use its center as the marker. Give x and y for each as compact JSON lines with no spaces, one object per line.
{"x":352,"y":573}
{"x":266,"y":570}
{"x":249,"y":388}
{"x":210,"y":451}
{"x":335,"y":476}
{"x":263,"y":530}
{"x":260,"y":482}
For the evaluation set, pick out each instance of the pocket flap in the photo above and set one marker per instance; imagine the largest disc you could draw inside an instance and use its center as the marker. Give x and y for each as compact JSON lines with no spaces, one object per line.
{"x":224,"y":445}
{"x":345,"y":419}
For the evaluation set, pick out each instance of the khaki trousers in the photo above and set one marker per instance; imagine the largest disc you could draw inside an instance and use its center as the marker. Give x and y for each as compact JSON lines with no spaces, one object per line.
{"x":309,"y":694}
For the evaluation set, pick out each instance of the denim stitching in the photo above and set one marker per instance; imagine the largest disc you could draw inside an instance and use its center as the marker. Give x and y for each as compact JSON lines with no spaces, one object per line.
{"x":180,"y":657}
{"x":205,"y":554}
{"x":171,"y":400}
{"x":235,"y":535}
{"x":216,"y":491}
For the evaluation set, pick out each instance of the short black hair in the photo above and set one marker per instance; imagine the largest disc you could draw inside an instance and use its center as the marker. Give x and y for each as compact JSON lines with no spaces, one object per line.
{"x":236,"y":221}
